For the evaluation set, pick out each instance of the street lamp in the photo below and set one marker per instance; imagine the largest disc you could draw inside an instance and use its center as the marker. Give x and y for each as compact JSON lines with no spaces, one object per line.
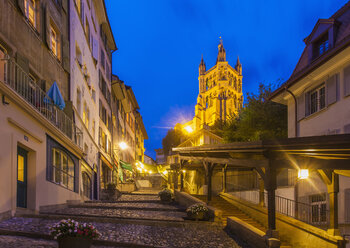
{"x":188,"y":129}
{"x":123,"y":145}
{"x":303,"y":174}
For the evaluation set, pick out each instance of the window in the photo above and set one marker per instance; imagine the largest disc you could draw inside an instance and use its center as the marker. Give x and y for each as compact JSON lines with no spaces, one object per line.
{"x":93,"y":93}
{"x":62,"y":169}
{"x":93,"y":129}
{"x":320,"y":46}
{"x":86,"y":115}
{"x":86,"y":185}
{"x":78,"y":4}
{"x":3,"y":65}
{"x":29,"y":6}
{"x":53,"y":41}
{"x":78,"y":101}
{"x":318,"y":208}
{"x":87,"y":31}
{"x":78,"y":56}
{"x":102,"y":59}
{"x":317,"y":99}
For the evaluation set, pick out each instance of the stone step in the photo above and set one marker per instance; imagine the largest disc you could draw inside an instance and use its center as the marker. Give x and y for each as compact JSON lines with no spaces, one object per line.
{"x":119,"y":213}
{"x":198,"y":234}
{"x":129,"y":206}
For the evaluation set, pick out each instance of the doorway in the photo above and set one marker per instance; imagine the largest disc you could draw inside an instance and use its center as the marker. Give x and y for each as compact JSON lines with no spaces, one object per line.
{"x":22,"y":160}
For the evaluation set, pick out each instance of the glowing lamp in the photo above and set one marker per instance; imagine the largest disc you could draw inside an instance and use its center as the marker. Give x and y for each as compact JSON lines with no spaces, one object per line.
{"x":188,"y":129}
{"x":165,"y":172}
{"x":123,"y":145}
{"x":183,"y":171}
{"x":303,"y":174}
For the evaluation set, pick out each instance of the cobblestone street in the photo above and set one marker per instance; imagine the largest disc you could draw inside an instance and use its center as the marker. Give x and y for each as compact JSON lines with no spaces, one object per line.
{"x":175,"y":232}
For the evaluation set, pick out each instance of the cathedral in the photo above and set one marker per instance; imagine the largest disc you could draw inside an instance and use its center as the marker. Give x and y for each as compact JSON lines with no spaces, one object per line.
{"x":220,"y":97}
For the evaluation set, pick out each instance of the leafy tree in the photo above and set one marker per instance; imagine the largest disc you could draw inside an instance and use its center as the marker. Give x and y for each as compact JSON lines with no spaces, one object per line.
{"x":260,"y":119}
{"x":172,"y":139}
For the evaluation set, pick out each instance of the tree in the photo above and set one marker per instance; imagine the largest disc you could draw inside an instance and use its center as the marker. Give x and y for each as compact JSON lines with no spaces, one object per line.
{"x":260,"y":119}
{"x":172,"y":139}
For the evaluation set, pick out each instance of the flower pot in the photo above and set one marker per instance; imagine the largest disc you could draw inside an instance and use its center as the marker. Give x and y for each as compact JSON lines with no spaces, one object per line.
{"x":197,"y":216}
{"x":165,"y":198}
{"x":74,"y":242}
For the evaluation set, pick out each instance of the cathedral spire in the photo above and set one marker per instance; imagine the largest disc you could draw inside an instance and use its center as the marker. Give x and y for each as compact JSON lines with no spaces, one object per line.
{"x":222,"y":53}
{"x":238,"y":66}
{"x":202,"y":68}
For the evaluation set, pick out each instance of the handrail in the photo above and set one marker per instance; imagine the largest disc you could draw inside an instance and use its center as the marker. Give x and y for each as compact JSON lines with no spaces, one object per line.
{"x":314,"y":214}
{"x":12,"y":75}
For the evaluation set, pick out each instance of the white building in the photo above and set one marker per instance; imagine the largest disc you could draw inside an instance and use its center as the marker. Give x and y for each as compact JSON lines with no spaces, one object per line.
{"x":317,"y":96}
{"x":91,"y":42}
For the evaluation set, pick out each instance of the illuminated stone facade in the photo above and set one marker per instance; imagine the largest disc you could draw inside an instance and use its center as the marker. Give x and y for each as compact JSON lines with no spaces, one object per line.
{"x":220,"y":97}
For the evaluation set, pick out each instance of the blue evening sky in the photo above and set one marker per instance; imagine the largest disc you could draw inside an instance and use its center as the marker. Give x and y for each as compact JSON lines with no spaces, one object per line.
{"x":160,"y":43}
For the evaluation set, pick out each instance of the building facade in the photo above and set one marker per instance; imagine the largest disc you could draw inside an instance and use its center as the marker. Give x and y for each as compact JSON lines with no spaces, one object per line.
{"x":41,"y":145}
{"x":317,"y":96}
{"x":220,"y":98}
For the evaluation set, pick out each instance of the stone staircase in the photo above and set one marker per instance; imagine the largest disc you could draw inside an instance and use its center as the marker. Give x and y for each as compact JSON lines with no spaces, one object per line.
{"x":134,"y":220}
{"x":230,"y":210}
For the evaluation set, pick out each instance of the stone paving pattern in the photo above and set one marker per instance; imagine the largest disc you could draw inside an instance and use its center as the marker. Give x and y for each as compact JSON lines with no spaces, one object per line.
{"x":194,"y":234}
{"x":134,"y":205}
{"x":201,"y":235}
{"x":124,"y":213}
{"x":17,"y":242}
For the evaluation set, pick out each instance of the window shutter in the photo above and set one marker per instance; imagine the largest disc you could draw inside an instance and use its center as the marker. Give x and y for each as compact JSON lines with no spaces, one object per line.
{"x":20,"y":4}
{"x":301,"y":106}
{"x":65,"y":54}
{"x":82,"y":13}
{"x":347,"y":81}
{"x":47,"y":27}
{"x":95,"y":48}
{"x":65,"y":5}
{"x":332,"y":89}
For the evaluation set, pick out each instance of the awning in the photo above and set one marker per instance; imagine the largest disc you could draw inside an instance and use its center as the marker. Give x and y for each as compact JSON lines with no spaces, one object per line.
{"x":125,"y":165}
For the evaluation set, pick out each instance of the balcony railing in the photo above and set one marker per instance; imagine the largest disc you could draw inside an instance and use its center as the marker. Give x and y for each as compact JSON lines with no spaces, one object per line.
{"x":12,"y":75}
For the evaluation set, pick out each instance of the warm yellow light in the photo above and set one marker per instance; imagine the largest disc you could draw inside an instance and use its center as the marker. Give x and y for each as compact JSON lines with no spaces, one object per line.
{"x":183,"y":171}
{"x":150,"y":172}
{"x":123,"y":145}
{"x":146,"y":171}
{"x":142,"y":165}
{"x":165,"y":172}
{"x":188,"y":129}
{"x":303,"y":174}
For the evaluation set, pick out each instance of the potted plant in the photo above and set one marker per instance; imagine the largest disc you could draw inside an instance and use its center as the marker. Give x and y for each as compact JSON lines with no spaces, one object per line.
{"x":71,"y":234}
{"x":165,"y":195}
{"x":197,"y":211}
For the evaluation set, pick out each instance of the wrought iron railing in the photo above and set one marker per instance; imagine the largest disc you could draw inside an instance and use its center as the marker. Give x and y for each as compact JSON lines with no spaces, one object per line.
{"x":12,"y":75}
{"x":315,"y":214}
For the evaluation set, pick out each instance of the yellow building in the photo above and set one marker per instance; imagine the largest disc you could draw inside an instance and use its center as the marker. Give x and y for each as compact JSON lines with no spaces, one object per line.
{"x":220,"y":97}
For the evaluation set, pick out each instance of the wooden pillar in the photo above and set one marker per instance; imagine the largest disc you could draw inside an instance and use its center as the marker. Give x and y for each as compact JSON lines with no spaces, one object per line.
{"x":176,"y":177}
{"x":261,"y":192}
{"x":331,"y":179}
{"x":210,"y":173}
{"x":224,"y":170}
{"x":270,"y":186}
{"x":182,"y":181}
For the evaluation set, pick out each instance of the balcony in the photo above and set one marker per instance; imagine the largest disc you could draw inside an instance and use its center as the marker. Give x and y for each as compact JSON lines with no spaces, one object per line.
{"x":16,"y":79}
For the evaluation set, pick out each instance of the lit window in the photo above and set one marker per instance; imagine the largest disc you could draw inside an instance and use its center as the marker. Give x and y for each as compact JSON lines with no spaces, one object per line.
{"x":317,"y":99}
{"x":78,"y":4}
{"x":29,"y":6}
{"x":53,"y":41}
{"x":86,"y":114}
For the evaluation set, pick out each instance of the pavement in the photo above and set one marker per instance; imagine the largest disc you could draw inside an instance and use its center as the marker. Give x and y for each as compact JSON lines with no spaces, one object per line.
{"x":135,"y":220}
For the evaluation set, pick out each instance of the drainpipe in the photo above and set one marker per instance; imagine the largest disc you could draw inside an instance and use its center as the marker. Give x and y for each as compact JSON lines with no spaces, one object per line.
{"x":295,"y":112}
{"x":296,"y":186}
